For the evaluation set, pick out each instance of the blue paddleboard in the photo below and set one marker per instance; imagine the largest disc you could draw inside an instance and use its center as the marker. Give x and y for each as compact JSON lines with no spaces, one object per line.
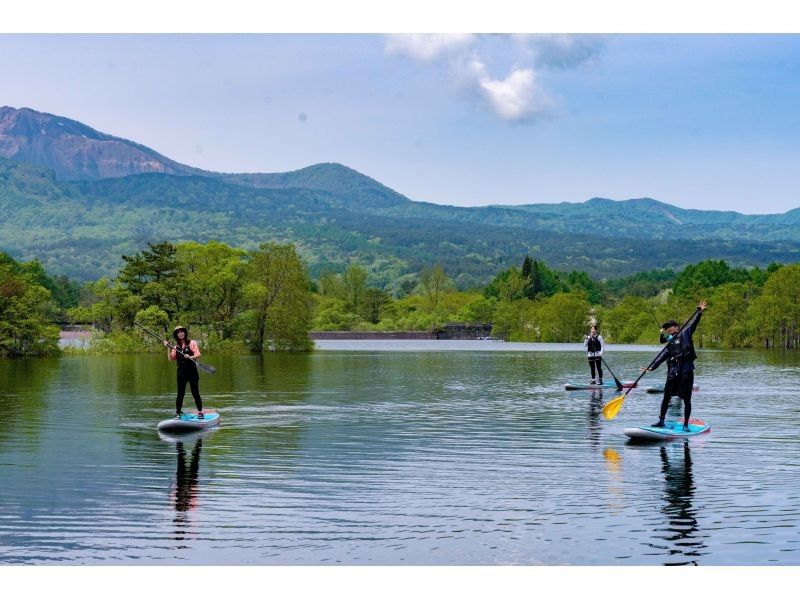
{"x":189,"y":422}
{"x":671,"y":430}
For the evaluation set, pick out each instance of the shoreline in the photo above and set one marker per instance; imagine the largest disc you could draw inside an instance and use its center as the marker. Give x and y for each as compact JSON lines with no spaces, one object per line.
{"x":76,"y":341}
{"x":83,"y":335}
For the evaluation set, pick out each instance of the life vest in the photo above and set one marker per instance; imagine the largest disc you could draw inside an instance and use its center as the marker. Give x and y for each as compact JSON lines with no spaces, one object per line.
{"x":680,"y":350}
{"x":186,"y":350}
{"x":593,"y":345}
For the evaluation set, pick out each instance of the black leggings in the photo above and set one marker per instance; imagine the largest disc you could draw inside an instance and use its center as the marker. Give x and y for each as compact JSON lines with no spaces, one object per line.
{"x":594,"y":362}
{"x":193,"y":378}
{"x":680,"y":385}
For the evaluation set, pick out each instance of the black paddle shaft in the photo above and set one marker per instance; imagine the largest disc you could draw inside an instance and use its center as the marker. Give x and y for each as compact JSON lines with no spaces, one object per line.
{"x":200,"y":366}
{"x":616,"y":380}
{"x":660,"y":353}
{"x":154,"y":335}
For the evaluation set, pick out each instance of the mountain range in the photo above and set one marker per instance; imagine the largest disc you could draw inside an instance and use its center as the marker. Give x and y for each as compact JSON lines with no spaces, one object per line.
{"x":77,"y":199}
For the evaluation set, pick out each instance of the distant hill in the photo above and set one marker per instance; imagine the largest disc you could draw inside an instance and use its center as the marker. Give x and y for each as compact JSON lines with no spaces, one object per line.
{"x":73,"y":150}
{"x":77,"y":199}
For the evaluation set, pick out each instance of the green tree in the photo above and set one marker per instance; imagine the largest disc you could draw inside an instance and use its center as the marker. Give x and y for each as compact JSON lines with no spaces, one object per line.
{"x":512,"y":287}
{"x":152,"y":274}
{"x":492,"y":290}
{"x":277,"y":292}
{"x":642,"y":284}
{"x":332,"y":315}
{"x":727,"y":320}
{"x":517,"y":320}
{"x":528,"y":275}
{"x":210,"y":279}
{"x":24,"y":327}
{"x":696,"y":278}
{"x":373,"y":304}
{"x":330,"y":284}
{"x":776,"y":312}
{"x":564,"y":317}
{"x":630,"y":321}
{"x":433,"y":283}
{"x":478,"y":311}
{"x":355,"y":285}
{"x":580,"y":281}
{"x":107,"y":305}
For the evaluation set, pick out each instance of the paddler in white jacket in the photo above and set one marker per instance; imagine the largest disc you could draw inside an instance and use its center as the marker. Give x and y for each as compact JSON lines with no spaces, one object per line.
{"x":594,"y":349}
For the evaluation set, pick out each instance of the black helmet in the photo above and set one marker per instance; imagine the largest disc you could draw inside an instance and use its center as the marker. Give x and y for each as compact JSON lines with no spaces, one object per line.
{"x":665,"y":325}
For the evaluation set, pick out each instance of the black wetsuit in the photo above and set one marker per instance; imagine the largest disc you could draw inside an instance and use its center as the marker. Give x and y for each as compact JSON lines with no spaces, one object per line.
{"x":680,"y":356}
{"x":187,"y":372}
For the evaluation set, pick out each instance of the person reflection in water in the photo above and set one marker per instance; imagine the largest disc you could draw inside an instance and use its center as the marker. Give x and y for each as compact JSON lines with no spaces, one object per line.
{"x":685,"y":546}
{"x":594,"y":423}
{"x":184,"y":496}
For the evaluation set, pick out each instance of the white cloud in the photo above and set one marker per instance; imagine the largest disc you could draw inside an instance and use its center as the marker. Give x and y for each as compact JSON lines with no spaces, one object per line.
{"x":513,"y":98}
{"x":516,"y":98}
{"x":427,"y":47}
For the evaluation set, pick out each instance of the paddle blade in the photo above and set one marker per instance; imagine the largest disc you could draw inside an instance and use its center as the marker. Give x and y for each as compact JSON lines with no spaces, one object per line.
{"x":206,"y":368}
{"x":611,"y":408}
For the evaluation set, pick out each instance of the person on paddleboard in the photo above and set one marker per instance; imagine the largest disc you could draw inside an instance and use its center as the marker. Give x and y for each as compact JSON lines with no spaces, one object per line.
{"x":187,"y":369}
{"x":680,"y":356}
{"x":594,"y":349}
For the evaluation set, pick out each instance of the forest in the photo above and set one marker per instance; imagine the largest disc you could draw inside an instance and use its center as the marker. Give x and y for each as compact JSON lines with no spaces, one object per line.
{"x":237,"y":300}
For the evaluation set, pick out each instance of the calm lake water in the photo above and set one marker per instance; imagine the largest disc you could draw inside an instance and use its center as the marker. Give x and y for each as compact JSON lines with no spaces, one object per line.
{"x":396,"y":452}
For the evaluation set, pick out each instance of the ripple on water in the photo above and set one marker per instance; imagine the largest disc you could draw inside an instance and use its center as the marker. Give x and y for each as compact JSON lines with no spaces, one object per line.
{"x":432,"y":457}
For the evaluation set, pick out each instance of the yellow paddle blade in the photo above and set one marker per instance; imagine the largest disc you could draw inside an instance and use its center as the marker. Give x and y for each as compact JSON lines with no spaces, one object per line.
{"x":611,"y":408}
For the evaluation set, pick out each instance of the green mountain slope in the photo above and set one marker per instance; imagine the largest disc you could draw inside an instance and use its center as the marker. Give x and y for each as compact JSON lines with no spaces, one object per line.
{"x":80,"y":228}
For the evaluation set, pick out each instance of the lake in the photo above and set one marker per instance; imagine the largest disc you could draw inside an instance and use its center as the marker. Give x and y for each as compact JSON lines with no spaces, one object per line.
{"x":397,"y":452}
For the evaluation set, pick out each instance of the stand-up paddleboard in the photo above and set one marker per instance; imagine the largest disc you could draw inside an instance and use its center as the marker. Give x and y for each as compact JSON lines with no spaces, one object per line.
{"x":585,"y":386}
{"x":670,"y":431}
{"x":189,"y":422}
{"x":660,"y":389}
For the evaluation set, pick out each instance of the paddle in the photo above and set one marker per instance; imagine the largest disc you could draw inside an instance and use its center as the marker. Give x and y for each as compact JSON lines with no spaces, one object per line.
{"x":611,"y":409}
{"x":616,"y":380}
{"x":653,"y":315}
{"x":202,"y":366}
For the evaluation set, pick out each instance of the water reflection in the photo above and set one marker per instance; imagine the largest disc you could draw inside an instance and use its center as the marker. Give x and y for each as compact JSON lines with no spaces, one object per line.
{"x":24,"y":395}
{"x":392,"y":458}
{"x":594,"y":424}
{"x":684,"y":542}
{"x":184,"y":492}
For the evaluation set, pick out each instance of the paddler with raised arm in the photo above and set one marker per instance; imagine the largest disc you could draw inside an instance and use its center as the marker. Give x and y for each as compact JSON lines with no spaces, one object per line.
{"x":680,"y":357}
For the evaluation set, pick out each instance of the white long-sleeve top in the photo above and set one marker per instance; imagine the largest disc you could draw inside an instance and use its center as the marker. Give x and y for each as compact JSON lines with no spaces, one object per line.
{"x":595,"y":353}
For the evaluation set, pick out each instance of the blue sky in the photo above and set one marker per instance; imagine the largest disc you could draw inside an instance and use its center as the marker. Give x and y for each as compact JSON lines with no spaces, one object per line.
{"x":708,"y":122}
